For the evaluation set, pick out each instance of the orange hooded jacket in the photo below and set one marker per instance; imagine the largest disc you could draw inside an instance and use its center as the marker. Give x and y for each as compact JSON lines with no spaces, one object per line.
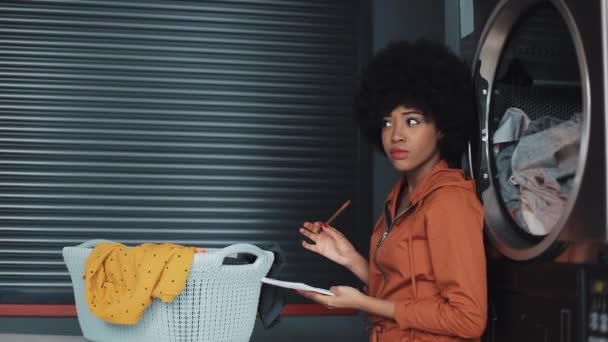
{"x":439,"y":240}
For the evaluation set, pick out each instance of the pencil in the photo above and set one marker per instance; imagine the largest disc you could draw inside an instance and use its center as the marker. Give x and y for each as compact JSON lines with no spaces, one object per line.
{"x":332,"y":218}
{"x":338,"y":212}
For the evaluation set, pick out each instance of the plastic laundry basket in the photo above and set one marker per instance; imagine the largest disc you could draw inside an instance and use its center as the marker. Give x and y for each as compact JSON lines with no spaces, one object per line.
{"x":219,"y":302}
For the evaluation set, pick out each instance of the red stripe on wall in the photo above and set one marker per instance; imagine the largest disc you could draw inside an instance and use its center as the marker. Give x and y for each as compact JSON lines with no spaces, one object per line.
{"x":37,"y":310}
{"x":313,"y":310}
{"x":47,"y":310}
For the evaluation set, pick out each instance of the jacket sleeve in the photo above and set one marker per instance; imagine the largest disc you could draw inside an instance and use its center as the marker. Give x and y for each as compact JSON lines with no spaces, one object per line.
{"x":454,"y":226}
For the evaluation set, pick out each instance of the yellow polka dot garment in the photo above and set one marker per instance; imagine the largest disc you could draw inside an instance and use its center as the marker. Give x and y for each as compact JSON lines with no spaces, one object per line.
{"x":121,"y":281}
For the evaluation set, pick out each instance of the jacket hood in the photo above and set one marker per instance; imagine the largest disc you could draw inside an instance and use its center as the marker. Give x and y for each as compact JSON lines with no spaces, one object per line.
{"x":440,"y":176}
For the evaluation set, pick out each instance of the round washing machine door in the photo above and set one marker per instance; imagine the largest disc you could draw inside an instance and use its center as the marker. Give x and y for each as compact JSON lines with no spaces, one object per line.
{"x":532,"y":76}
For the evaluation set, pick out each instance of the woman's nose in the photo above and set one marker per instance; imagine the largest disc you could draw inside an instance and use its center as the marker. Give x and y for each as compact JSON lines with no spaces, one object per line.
{"x":397,"y":135}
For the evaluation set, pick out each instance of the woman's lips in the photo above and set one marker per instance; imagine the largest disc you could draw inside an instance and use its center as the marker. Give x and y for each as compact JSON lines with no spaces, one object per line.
{"x":399,"y":154}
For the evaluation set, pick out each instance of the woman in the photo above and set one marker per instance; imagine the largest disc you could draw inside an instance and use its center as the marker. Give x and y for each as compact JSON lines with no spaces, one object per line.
{"x":426,"y":278}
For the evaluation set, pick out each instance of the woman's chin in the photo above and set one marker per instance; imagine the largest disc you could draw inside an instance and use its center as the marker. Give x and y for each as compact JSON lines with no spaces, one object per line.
{"x":401,"y":165}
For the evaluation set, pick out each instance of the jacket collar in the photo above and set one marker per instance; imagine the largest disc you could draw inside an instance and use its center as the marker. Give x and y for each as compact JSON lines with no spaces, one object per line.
{"x":436,"y":178}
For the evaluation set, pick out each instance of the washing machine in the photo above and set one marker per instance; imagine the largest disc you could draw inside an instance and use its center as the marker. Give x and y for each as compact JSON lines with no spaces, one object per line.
{"x":540,"y":163}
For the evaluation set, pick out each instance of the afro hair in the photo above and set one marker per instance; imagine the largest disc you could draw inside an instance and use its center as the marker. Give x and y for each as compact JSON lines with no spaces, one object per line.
{"x":424,"y":75}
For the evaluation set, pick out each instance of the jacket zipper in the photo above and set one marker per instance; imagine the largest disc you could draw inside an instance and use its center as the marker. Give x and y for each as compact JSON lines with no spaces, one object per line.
{"x":384,"y":236}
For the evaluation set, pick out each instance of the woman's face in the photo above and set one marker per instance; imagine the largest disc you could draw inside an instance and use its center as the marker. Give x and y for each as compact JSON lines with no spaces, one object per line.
{"x":410,"y":139}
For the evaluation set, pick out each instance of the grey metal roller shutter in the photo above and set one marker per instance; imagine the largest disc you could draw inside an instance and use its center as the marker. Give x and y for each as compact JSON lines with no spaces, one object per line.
{"x":200,"y":122}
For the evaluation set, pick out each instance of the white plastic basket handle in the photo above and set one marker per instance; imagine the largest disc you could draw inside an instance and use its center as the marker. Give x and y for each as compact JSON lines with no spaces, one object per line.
{"x":217,"y":256}
{"x":91,"y":243}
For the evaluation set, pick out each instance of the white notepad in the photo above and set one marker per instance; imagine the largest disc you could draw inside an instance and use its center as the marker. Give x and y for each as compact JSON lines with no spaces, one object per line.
{"x":296,"y":286}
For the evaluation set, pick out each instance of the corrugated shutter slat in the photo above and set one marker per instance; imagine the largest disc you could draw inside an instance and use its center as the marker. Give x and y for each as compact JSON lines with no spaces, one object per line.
{"x":200,"y":122}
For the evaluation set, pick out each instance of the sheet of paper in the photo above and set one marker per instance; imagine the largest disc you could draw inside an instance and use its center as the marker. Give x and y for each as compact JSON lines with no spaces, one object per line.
{"x":296,"y":286}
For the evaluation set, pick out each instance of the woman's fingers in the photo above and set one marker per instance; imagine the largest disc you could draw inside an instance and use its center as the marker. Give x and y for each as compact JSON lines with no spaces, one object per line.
{"x":311,"y":231}
{"x":308,"y":232}
{"x":333,"y":232}
{"x":314,"y":228}
{"x":309,"y":246}
{"x":317,"y":297}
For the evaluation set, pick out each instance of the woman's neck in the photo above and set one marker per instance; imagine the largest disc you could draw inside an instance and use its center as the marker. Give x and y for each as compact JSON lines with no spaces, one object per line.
{"x":414,"y":177}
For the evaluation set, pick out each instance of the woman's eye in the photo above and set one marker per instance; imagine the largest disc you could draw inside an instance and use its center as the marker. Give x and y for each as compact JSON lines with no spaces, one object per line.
{"x":412,"y":122}
{"x":386,"y":123}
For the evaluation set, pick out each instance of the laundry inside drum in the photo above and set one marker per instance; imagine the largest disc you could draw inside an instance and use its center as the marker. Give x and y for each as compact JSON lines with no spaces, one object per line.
{"x":536,"y":121}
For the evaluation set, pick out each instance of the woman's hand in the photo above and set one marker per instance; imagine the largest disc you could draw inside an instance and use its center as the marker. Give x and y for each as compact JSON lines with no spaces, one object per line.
{"x":328,"y":242}
{"x":345,"y":297}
